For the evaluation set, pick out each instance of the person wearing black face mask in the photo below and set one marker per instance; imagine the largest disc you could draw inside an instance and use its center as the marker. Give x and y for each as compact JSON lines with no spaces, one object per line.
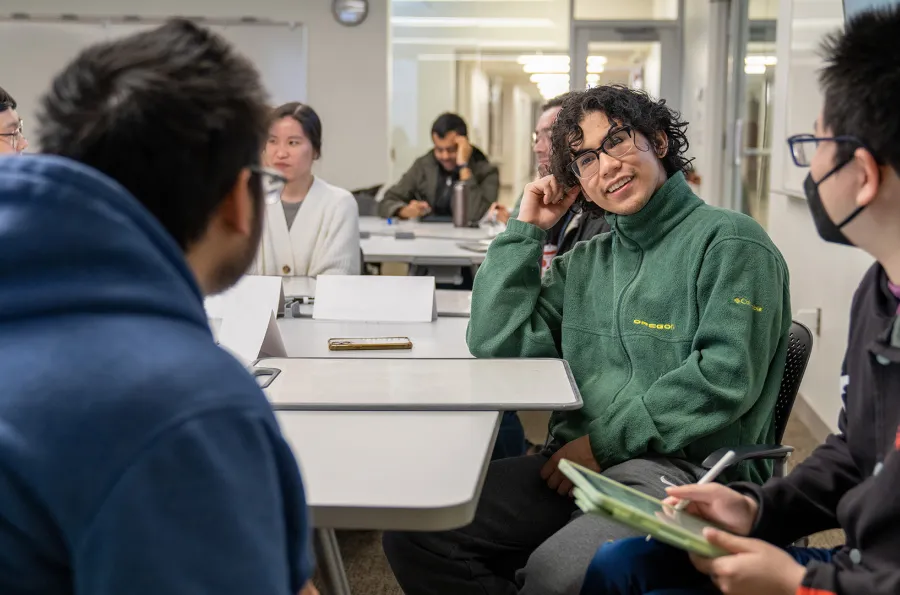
{"x":800,"y":151}
{"x":850,"y":482}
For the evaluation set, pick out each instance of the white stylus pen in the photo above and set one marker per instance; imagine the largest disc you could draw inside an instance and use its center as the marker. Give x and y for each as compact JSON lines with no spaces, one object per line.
{"x":710,"y":475}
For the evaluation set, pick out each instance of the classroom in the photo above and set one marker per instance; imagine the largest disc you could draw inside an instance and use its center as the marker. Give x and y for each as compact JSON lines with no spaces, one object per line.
{"x":503,"y":297}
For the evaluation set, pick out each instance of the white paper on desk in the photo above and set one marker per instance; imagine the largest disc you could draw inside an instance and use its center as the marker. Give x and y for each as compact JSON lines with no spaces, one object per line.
{"x":375,"y":298}
{"x":243,"y":318}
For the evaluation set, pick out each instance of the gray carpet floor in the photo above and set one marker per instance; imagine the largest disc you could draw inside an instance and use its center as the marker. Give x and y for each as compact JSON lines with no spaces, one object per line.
{"x":369,"y":573}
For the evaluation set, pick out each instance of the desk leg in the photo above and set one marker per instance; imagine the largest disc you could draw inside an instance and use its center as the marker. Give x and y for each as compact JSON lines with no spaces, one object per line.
{"x":331,"y":563}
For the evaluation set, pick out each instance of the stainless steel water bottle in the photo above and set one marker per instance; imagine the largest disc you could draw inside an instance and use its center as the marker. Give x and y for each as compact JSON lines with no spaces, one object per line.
{"x":460,"y":204}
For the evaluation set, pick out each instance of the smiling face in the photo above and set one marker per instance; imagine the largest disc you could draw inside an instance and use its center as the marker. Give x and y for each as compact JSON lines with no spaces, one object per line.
{"x":445,"y":149}
{"x":622,"y":185}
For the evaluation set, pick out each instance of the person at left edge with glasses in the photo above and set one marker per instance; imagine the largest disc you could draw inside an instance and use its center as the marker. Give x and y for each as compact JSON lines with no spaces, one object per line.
{"x":312,"y":227}
{"x":676,"y":328}
{"x":12,"y":137}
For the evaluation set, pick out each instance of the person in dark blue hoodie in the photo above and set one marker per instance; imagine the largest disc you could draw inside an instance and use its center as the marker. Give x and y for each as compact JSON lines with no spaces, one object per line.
{"x":135,"y":455}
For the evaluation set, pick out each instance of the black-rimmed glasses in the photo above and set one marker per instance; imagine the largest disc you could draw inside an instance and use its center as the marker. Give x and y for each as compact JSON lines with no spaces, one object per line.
{"x":15,"y":136}
{"x":803,"y":146}
{"x":272,"y":183}
{"x":618,"y":143}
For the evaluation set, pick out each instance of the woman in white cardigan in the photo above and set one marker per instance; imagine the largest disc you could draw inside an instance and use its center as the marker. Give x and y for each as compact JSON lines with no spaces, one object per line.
{"x":313,"y":227}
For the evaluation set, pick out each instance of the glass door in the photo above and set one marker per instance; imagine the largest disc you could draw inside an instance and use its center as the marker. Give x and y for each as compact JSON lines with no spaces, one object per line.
{"x":748,"y":114}
{"x":645,"y":55}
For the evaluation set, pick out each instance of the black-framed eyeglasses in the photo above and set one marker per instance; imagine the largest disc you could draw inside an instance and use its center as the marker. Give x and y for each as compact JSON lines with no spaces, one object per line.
{"x":803,"y":146}
{"x":15,"y":136}
{"x":618,"y":143}
{"x":272,"y":183}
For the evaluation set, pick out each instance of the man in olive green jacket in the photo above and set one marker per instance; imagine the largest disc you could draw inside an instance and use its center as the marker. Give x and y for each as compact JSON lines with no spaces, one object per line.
{"x":675,"y":324}
{"x":426,"y":189}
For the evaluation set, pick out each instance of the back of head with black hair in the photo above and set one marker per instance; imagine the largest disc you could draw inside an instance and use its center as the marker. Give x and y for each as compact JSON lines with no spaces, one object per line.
{"x":307,"y":118}
{"x":447,"y":123}
{"x":6,"y":101}
{"x":625,"y":107}
{"x":172,"y":114}
{"x":861,"y":84}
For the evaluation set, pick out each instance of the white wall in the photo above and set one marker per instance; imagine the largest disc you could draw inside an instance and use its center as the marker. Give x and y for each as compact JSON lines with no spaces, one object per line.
{"x":404,"y":115}
{"x":634,"y":9}
{"x":421,"y":91}
{"x":695,"y":78}
{"x":653,"y":71}
{"x":823,"y":275}
{"x":348,"y":74}
{"x":474,"y":106}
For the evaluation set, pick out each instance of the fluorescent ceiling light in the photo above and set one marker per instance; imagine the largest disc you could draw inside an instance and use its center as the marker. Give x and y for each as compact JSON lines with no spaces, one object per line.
{"x":471,"y":42}
{"x":548,"y":77}
{"x":467,"y":57}
{"x":476,"y":22}
{"x":754,"y":68}
{"x":541,"y":63}
{"x":528,"y":58}
{"x":765,"y":60}
{"x":480,"y":1}
{"x":553,"y":88}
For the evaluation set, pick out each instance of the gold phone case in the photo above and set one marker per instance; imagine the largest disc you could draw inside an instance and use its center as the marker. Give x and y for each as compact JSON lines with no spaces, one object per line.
{"x":369,"y":343}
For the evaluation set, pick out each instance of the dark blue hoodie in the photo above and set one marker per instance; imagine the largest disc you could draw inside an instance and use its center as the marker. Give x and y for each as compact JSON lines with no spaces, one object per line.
{"x":135,"y":455}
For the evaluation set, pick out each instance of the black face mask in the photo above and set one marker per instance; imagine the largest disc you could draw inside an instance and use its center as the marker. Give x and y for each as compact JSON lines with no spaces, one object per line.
{"x":828,"y":229}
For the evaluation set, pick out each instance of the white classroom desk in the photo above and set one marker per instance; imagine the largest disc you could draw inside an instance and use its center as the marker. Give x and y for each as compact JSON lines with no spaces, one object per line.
{"x":388,"y":471}
{"x":443,"y":338}
{"x":376,"y":226}
{"x":421,"y":252}
{"x":416,"y":470}
{"x":370,"y":383}
{"x":450,"y":302}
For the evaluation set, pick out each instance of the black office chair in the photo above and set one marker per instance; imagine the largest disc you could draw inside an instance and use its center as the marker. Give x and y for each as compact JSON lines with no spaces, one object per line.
{"x":365,"y":200}
{"x":362,"y":263}
{"x":799,"y":349}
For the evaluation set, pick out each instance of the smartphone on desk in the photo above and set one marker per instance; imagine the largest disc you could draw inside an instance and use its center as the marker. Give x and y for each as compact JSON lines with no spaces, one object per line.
{"x":369,"y":343}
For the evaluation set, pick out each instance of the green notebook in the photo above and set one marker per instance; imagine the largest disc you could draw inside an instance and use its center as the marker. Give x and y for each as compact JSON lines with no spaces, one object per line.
{"x":596,"y":494}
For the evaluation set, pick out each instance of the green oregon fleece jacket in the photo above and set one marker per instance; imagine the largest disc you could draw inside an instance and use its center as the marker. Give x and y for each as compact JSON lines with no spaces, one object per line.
{"x":675,"y":325}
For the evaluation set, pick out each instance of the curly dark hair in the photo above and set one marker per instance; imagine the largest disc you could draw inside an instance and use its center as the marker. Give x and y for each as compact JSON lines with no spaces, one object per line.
{"x":626,"y":107}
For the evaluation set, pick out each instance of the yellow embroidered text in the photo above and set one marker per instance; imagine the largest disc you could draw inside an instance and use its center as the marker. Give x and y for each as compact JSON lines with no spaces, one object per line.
{"x":745,"y":302}
{"x":655,"y":325}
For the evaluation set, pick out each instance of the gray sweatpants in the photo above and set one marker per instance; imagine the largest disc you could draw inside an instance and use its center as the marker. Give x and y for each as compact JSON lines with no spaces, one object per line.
{"x":525,"y":538}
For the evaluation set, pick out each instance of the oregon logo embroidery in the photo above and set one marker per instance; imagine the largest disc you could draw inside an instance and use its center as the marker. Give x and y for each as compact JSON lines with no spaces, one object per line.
{"x":655,"y":325}
{"x":745,"y":302}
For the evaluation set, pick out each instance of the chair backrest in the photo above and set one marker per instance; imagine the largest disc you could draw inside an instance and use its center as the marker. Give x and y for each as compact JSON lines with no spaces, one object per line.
{"x":799,"y":350}
{"x":366,"y":201}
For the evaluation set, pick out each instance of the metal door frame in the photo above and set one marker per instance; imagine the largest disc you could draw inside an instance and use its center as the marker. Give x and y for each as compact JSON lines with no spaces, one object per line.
{"x":667,"y":33}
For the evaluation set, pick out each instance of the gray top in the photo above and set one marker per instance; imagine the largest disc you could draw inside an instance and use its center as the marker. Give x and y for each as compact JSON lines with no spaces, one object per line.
{"x":290,"y":211}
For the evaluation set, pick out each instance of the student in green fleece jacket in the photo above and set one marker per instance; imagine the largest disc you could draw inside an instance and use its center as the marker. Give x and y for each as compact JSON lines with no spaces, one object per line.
{"x":675,"y":325}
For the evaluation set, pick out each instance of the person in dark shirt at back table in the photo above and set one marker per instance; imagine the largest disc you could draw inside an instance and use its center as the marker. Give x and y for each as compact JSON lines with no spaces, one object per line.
{"x":426,"y":189}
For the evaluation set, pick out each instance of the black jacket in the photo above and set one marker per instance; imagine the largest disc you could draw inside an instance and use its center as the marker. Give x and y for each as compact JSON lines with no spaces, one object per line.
{"x":853,"y":480}
{"x":566,"y":233}
{"x":420,"y":182}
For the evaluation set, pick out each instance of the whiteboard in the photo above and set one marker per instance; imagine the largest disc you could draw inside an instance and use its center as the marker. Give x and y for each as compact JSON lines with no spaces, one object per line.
{"x":32,"y":52}
{"x":798,"y":97}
